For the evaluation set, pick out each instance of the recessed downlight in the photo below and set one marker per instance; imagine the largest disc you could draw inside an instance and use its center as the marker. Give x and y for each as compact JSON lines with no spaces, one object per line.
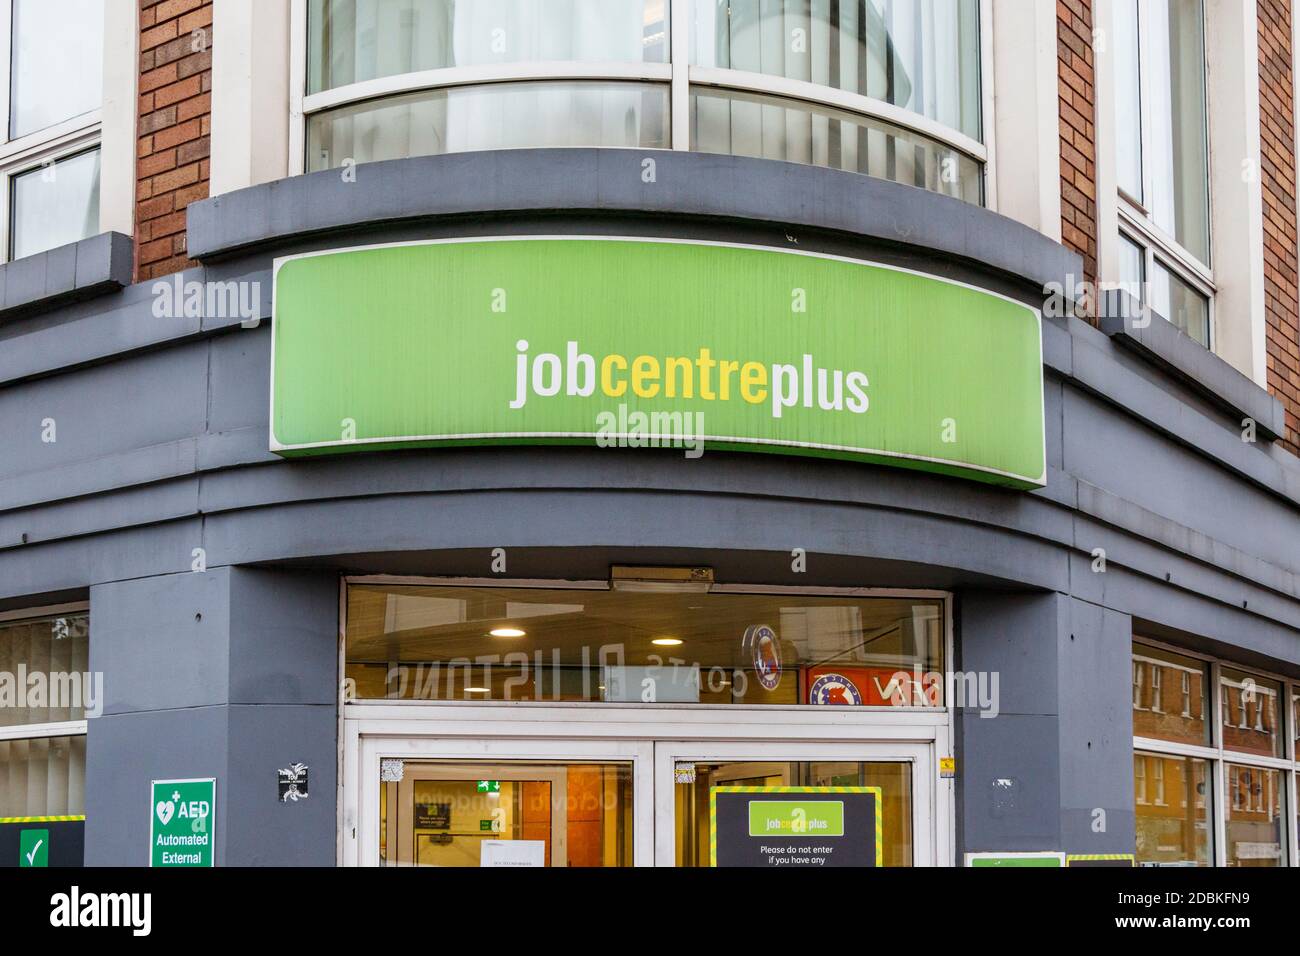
{"x":507,"y":632}
{"x":667,"y":641}
{"x":476,"y":690}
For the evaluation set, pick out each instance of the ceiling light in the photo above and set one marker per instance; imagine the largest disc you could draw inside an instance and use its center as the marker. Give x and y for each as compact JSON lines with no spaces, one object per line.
{"x":476,"y":690}
{"x":507,"y":632}
{"x":667,"y":641}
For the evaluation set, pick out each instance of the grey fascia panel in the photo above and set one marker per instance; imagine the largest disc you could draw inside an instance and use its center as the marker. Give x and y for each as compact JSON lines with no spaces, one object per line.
{"x":78,"y":270}
{"x":1160,"y":341}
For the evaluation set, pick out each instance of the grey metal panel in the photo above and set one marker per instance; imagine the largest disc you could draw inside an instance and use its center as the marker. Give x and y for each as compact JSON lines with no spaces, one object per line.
{"x":1096,"y":729}
{"x":693,"y":184}
{"x":162,"y":642}
{"x":1122,"y":317}
{"x":81,"y":269}
{"x":1009,"y":793}
{"x":283,"y":637}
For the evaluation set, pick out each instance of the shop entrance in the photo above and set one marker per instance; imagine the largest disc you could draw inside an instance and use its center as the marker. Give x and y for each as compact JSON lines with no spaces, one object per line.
{"x":430,"y":800}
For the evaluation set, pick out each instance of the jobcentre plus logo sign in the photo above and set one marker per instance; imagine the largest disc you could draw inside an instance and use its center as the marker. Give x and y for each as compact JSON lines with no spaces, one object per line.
{"x":184,"y":818}
{"x":558,"y":339}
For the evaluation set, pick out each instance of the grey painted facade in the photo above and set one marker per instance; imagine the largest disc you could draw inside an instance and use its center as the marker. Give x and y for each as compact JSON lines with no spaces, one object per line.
{"x":232,"y":672}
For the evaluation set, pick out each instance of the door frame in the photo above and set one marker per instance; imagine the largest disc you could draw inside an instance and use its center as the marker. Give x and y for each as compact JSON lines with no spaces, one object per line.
{"x":602,"y":732}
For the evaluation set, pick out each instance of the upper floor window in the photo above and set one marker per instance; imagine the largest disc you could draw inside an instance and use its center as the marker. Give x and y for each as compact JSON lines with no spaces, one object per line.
{"x":1162,"y":159}
{"x":50,"y":107}
{"x":889,"y":88}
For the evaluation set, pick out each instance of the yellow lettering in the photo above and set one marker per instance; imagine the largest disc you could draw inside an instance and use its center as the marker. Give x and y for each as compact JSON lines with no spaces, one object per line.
{"x":753,"y":375}
{"x":607,"y":380}
{"x":645,"y":376}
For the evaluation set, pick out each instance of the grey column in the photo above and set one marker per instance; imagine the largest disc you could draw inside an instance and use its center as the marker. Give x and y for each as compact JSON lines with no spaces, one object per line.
{"x":1054,"y":769}
{"x":228,"y":673}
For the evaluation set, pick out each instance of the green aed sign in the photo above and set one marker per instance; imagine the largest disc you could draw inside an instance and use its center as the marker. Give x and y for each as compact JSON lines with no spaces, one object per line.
{"x":653,"y":343}
{"x":183,"y":815}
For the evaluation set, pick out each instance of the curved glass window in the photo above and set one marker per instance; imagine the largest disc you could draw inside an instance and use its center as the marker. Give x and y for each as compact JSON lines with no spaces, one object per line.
{"x":920,"y":55}
{"x":770,"y":127}
{"x":356,"y":40}
{"x":495,"y":116}
{"x":886,"y":88}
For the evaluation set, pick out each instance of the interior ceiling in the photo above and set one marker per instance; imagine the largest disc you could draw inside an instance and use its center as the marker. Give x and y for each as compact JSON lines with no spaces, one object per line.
{"x":423,"y":623}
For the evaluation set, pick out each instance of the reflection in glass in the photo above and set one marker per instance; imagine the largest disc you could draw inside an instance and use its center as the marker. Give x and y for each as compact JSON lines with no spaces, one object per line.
{"x":691,"y":800}
{"x":468,"y":814}
{"x":1128,"y":100}
{"x":1252,"y":710}
{"x":56,"y":69}
{"x":1254,"y":816}
{"x":43,"y":776}
{"x":494,"y":116}
{"x":58,"y":649}
{"x":1178,"y":302}
{"x":1172,"y":798}
{"x":1170,"y":696}
{"x":769,"y":127}
{"x":55,"y":204}
{"x":458,"y":643}
{"x":355,"y":40}
{"x":921,"y":55}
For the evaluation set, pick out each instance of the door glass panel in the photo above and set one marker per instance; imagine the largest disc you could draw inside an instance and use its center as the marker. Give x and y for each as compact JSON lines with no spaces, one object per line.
{"x":454,"y":813}
{"x":806,"y":813}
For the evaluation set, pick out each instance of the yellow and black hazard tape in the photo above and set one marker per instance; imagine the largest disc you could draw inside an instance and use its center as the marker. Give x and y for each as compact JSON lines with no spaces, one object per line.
{"x":55,"y":819}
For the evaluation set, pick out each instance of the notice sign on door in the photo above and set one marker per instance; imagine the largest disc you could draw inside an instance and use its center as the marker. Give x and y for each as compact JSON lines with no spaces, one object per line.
{"x":184,"y":822}
{"x":795,"y":826}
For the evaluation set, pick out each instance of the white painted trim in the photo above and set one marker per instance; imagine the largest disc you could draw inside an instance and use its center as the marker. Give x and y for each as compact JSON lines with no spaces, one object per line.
{"x":251,"y":61}
{"x":988,"y":107}
{"x":61,"y":728}
{"x":118,"y":152}
{"x":277,"y":446}
{"x":679,"y":26}
{"x":1105,"y":126}
{"x":297,"y":87}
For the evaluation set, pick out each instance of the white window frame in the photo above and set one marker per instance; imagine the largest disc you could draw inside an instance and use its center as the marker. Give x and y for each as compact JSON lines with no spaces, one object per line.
{"x":1136,"y":224}
{"x":75,"y":135}
{"x":677,"y":74}
{"x":1219,"y":758}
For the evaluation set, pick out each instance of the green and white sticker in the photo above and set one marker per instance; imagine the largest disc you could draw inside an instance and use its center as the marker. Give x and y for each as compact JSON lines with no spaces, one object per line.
{"x":183,"y":815}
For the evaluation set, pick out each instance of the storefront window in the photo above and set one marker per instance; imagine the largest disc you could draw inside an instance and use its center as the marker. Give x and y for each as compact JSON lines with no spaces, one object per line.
{"x":630,"y":646}
{"x":1170,"y":696}
{"x":1254,"y":816}
{"x":1251,"y":712}
{"x":56,"y":649}
{"x":43,"y":776}
{"x":1173,"y":810}
{"x":515,"y":814}
{"x":698,"y":813}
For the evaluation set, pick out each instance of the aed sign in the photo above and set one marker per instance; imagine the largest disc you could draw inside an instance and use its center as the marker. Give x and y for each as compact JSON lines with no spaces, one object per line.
{"x":795,"y":826}
{"x":653,"y":343}
{"x":183,"y":819}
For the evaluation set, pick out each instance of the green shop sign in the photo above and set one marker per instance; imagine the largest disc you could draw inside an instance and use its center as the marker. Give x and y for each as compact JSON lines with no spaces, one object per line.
{"x":653,"y":343}
{"x":183,"y":815}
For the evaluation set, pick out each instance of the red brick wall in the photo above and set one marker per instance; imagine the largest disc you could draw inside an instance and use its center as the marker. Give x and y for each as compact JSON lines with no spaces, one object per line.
{"x":174,"y":128}
{"x":1078,"y":131}
{"x":1278,"y":181}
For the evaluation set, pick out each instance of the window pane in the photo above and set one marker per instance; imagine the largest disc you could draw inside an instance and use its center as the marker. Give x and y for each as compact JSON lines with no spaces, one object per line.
{"x":469,"y":813}
{"x":1176,"y":162}
{"x":1295,"y":724}
{"x":1132,"y":268}
{"x":43,"y":777}
{"x":1178,"y":302}
{"x":769,"y":127}
{"x":1254,"y":816}
{"x":694,"y":823}
{"x":1172,"y":798}
{"x":55,"y":204}
{"x":57,"y":62}
{"x":1128,"y":100}
{"x":498,"y":116}
{"x":56,"y":649}
{"x":355,"y":40}
{"x":1251,"y":710}
{"x":1170,"y":696}
{"x":434,"y":643}
{"x":921,"y":55}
